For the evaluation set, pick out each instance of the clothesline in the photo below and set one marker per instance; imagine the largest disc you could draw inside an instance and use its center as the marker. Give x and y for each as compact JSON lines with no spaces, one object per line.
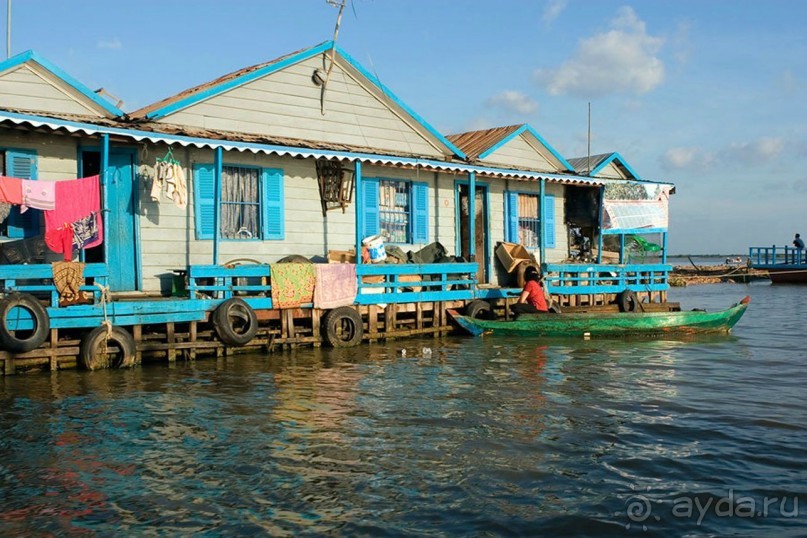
{"x":72,"y":209}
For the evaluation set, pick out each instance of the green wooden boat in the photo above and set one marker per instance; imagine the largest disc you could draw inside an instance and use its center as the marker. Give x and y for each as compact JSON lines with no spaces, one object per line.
{"x":608,"y":324}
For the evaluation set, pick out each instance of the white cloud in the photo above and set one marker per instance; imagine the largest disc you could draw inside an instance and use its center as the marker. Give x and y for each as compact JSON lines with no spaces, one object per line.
{"x":757,"y":152}
{"x":513,"y":101}
{"x":552,"y":11}
{"x":623,"y":59}
{"x":111,"y":44}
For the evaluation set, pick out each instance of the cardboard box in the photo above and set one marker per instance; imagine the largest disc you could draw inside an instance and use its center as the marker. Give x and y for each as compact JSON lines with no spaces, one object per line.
{"x":341,"y":256}
{"x":512,"y":254}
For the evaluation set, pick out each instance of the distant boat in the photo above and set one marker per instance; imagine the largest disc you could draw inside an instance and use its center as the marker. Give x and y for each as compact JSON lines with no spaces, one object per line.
{"x":736,"y":260}
{"x":608,"y":324}
{"x":785,"y":265}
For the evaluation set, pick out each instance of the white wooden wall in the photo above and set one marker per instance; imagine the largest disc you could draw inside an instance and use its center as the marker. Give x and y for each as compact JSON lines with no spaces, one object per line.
{"x":520,"y":154}
{"x":31,"y":88}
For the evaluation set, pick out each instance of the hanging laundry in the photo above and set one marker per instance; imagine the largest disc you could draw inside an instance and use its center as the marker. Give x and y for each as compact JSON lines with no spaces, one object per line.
{"x":5,"y":211}
{"x":61,"y":241}
{"x":68,"y":277}
{"x":38,"y":194}
{"x":175,"y":187}
{"x":85,"y":231}
{"x":76,"y":200}
{"x":11,"y":190}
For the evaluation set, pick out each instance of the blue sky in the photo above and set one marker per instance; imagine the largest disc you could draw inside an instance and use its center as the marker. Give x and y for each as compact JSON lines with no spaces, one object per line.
{"x":711,"y":95}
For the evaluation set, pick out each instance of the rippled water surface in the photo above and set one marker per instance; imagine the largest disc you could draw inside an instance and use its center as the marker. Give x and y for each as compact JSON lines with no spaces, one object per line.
{"x":460,"y":436}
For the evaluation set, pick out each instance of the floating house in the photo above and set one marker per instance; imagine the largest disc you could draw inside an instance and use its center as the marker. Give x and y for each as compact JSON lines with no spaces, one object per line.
{"x":204,"y":198}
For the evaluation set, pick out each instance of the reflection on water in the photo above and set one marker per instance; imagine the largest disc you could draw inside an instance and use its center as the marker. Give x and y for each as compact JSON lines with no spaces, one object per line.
{"x":449,"y":436}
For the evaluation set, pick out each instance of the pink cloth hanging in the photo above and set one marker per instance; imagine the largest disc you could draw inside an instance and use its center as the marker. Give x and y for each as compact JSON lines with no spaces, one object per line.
{"x":76,"y":199}
{"x":336,"y":285}
{"x":38,"y":194}
{"x":11,"y":190}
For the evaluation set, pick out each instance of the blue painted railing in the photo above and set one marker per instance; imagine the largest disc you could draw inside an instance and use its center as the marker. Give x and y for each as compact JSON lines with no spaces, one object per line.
{"x":38,"y":279}
{"x":773,"y":255}
{"x":583,"y":279}
{"x":410,"y":283}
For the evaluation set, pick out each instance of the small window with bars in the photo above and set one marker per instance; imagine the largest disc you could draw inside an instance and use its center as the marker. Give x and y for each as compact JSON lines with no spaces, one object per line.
{"x":529,"y":222}
{"x":394,"y":210}
{"x":240,"y":202}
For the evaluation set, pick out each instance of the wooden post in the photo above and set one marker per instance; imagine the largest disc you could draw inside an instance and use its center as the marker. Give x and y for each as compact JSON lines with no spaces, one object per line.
{"x":170,"y":337}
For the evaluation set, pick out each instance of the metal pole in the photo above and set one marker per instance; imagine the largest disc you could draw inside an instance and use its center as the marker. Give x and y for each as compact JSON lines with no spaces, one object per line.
{"x":8,"y":28}
{"x":217,"y":165}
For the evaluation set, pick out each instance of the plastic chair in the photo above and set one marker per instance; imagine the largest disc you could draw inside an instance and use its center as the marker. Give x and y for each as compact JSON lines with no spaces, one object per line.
{"x":643,"y":247}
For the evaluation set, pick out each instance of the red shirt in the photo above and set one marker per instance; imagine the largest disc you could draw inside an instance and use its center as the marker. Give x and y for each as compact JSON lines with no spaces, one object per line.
{"x":536,"y":296}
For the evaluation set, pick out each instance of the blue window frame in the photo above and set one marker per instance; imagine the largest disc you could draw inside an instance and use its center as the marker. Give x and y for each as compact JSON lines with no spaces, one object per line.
{"x":22,"y":164}
{"x":523,"y":222}
{"x":396,"y":209}
{"x":251,"y":202}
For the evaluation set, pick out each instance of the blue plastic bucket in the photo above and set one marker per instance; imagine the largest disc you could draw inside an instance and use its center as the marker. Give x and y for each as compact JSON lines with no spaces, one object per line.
{"x":375,"y":247}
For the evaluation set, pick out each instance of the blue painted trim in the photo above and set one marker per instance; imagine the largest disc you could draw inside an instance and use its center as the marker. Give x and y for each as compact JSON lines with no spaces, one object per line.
{"x":218,"y":163}
{"x":358,"y":180}
{"x":663,"y":247}
{"x":238,"y":81}
{"x":372,"y":78}
{"x":615,"y":157}
{"x":104,"y":190}
{"x":268,"y":148}
{"x":542,"y":206}
{"x":518,"y":132}
{"x":599,"y":226}
{"x":472,"y":216}
{"x":634,"y":231}
{"x":621,"y":247}
{"x":31,"y":55}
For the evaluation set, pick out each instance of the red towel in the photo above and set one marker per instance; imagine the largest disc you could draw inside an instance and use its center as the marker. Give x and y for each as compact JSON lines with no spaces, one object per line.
{"x":61,"y":240}
{"x":11,"y":190}
{"x":76,"y":199}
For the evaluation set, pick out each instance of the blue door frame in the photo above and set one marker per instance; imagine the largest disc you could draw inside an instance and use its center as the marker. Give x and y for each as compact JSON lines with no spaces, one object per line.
{"x":121,"y":226}
{"x":486,"y":262}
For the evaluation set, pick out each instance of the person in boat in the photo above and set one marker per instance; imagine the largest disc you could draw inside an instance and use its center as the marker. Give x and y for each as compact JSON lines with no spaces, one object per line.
{"x":798,"y":242}
{"x":532,"y":299}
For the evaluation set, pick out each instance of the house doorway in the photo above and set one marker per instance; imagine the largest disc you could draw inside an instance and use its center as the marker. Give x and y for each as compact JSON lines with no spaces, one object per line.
{"x":119,"y":219}
{"x":480,"y":224}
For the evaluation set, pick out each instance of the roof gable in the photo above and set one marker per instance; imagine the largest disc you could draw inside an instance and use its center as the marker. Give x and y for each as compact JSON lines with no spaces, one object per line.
{"x":30,"y":82}
{"x":280,"y":98}
{"x":605,"y":165}
{"x":514,"y":146}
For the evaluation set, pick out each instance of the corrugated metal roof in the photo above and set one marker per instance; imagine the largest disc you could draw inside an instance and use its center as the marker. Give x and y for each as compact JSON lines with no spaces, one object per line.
{"x":583,"y":165}
{"x":475,"y":143}
{"x":143,"y":112}
{"x":160,"y":134}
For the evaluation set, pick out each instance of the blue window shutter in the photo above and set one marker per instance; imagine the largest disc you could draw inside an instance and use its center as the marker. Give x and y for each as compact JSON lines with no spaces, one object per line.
{"x":420,"y":213}
{"x":273,"y":217}
{"x":511,"y":217}
{"x":22,"y":164}
{"x":370,"y":209}
{"x":204,"y":184}
{"x":549,"y":221}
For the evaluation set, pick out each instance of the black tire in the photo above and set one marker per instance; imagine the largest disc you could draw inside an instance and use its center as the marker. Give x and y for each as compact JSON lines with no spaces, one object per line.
{"x":342,"y":327}
{"x":627,"y":301}
{"x":23,"y":340}
{"x":98,"y":352}
{"x":235,"y":322}
{"x":555,"y":309}
{"x":294,"y":258}
{"x":479,"y":309}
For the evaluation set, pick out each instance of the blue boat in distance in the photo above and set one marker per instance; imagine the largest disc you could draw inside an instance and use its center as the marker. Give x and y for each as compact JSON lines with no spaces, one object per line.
{"x":785,"y":265}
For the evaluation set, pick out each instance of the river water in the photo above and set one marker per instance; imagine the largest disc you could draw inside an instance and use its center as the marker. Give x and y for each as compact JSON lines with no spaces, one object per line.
{"x":460,"y":436}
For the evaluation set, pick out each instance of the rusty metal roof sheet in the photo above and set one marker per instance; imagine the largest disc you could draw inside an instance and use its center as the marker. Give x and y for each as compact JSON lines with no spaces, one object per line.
{"x":143,"y":112}
{"x":475,"y":143}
